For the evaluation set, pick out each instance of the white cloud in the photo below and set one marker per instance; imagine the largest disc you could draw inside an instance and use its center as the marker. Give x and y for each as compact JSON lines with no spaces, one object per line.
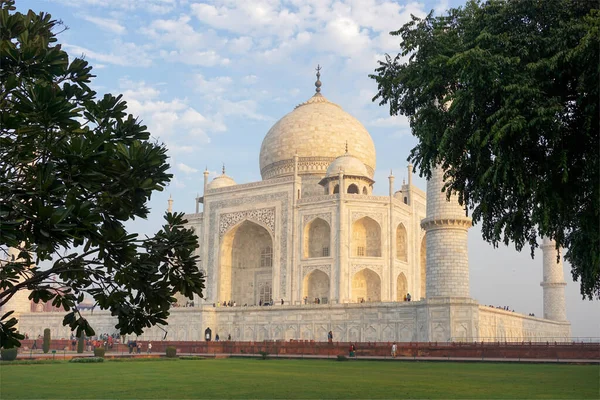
{"x":167,"y":118}
{"x":250,"y":79}
{"x":186,"y":169}
{"x":124,"y":54}
{"x":212,"y":86}
{"x":178,"y":184}
{"x":108,"y":24}
{"x":391,"y":121}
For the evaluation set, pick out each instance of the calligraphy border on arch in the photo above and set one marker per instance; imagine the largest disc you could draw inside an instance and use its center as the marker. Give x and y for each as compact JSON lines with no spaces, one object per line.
{"x":373,"y":267}
{"x":307,"y":269}
{"x":264,"y":215}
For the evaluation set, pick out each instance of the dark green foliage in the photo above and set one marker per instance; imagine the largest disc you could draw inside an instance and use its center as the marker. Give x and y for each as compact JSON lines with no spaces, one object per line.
{"x":99,"y":351}
{"x":81,"y":342}
{"x":505,"y":96}
{"x":342,"y":357}
{"x":171,"y":352}
{"x":263,"y":355}
{"x":46,"y":343}
{"x":9,"y":354}
{"x":75,"y":170}
{"x":191,"y":358}
{"x":85,"y":360}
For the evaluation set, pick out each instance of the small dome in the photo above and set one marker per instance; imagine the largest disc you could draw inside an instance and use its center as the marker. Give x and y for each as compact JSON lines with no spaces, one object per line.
{"x":349,"y":164}
{"x":221,"y":181}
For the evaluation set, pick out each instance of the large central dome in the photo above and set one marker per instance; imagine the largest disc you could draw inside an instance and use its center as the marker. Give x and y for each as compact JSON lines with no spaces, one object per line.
{"x":317,"y":131}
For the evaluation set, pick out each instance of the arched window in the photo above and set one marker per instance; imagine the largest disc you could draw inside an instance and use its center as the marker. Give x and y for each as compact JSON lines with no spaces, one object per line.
{"x":401,"y":243}
{"x":336,"y":189}
{"x":353,"y":189}
{"x":366,"y":238}
{"x":365,"y":192}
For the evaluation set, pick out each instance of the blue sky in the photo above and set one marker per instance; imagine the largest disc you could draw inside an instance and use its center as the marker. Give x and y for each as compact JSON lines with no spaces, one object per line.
{"x":210,"y":78}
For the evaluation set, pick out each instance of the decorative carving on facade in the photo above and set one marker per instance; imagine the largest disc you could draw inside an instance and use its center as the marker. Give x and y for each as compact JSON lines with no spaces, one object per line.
{"x":263,"y":215}
{"x":307,"y":269}
{"x":373,"y":267}
{"x":309,"y":217}
{"x":316,"y":199}
{"x":375,"y":216}
{"x":429,"y":223}
{"x":363,"y":197}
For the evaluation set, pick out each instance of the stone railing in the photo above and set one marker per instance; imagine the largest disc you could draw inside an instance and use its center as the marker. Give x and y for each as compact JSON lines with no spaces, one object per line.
{"x":317,"y":199}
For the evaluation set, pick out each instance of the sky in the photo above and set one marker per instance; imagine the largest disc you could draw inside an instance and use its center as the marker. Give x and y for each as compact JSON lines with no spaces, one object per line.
{"x":210,"y":78}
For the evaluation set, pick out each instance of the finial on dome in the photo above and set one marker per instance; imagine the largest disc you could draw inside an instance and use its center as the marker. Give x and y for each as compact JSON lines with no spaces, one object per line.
{"x":223,"y":168}
{"x":318,"y":82}
{"x":346,"y":147}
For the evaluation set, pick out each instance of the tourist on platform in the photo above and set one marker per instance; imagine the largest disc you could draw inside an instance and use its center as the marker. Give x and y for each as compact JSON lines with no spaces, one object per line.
{"x":330,"y":337}
{"x":229,"y":337}
{"x":281,"y":301}
{"x":407,"y":296}
{"x":217,"y":337}
{"x":260,"y":302}
{"x":394,"y":350}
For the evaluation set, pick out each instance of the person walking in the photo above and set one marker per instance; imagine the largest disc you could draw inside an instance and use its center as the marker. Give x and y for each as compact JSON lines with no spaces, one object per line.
{"x":394,"y":350}
{"x":149,"y":348}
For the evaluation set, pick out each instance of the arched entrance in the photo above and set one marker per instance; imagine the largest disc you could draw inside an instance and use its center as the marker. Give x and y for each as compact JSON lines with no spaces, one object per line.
{"x":317,"y":238}
{"x":401,"y":287}
{"x":316,"y":285}
{"x":366,"y":238}
{"x":246,"y":264}
{"x":366,"y":286}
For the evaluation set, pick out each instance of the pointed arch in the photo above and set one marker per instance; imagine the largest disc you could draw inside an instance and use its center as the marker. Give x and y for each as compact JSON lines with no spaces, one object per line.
{"x":366,"y":238}
{"x":317,"y":238}
{"x":366,"y":286}
{"x":365,"y":191}
{"x":401,"y":243}
{"x":401,"y":287}
{"x":336,"y":189}
{"x":316,"y":285}
{"x":246,"y":255}
{"x":353,"y":189}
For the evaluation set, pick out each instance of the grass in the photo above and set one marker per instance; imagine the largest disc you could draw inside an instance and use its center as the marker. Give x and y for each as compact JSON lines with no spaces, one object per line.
{"x":294,"y":379}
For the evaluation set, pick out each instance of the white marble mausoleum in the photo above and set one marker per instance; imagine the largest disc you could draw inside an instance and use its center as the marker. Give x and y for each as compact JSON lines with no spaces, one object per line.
{"x":312,"y":234}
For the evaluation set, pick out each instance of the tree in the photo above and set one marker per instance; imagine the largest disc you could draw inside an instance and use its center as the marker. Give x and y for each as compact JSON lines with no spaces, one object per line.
{"x":504,"y":96}
{"x":74,"y":170}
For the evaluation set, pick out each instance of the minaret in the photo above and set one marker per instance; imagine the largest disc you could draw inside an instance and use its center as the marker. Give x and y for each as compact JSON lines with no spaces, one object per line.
{"x":553,"y":283}
{"x":446,"y":227}
{"x":170,"y":207}
{"x":206,"y":173}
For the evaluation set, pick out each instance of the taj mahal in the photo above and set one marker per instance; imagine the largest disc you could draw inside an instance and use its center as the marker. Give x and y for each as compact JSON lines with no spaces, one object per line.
{"x":312,"y":240}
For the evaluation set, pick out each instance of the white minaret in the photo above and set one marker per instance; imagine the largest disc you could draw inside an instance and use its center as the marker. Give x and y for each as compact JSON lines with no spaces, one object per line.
{"x":446,"y":226}
{"x":553,"y":283}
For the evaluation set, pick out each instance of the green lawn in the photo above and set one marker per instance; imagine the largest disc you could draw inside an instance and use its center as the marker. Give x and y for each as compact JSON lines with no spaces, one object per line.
{"x":289,"y":379}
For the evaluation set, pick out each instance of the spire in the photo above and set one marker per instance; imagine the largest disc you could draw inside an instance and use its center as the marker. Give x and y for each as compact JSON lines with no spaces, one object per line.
{"x":170,"y":208}
{"x":346,"y":147}
{"x":223,"y":168}
{"x":318,"y":82}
